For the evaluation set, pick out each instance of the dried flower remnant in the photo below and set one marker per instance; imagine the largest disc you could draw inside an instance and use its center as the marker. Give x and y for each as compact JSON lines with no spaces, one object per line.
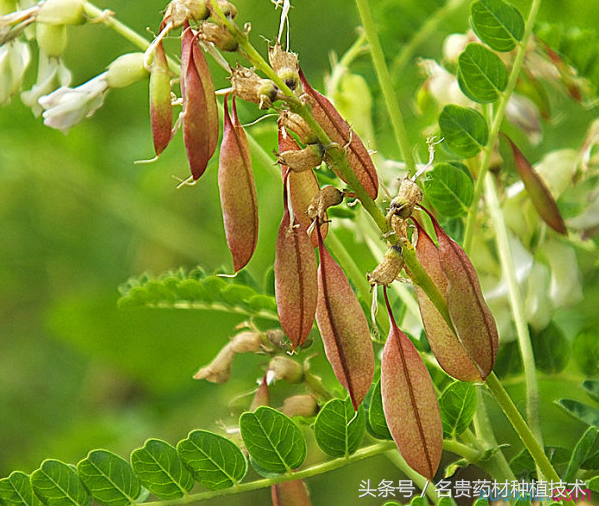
{"x":238,"y":196}
{"x":300,"y":405}
{"x":286,"y":369}
{"x":179,"y":12}
{"x":285,"y":64}
{"x":249,"y":86}
{"x":388,"y":270}
{"x":297,"y":124}
{"x":339,"y":131}
{"x":343,"y":327}
{"x":161,"y":109}
{"x":408,"y":197}
{"x":328,"y":196}
{"x":410,"y":403}
{"x":300,"y":160}
{"x":219,"y":36}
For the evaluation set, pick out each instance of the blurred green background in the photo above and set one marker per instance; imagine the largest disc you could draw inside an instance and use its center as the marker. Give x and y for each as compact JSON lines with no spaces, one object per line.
{"x":78,"y":217}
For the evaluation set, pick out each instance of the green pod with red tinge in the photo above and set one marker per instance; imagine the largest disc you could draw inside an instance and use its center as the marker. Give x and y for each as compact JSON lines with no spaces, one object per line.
{"x":161,"y":109}
{"x":410,"y":402}
{"x":290,"y":493}
{"x":200,"y":116}
{"x":539,"y":194}
{"x":296,"y":285}
{"x":339,"y":131}
{"x":343,"y":327}
{"x":237,"y":189}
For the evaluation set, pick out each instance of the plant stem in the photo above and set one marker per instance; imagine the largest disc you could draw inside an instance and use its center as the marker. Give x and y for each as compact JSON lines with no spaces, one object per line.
{"x":382,"y":72}
{"x":469,"y":453}
{"x":515,"y":298}
{"x":420,"y":481}
{"x":498,"y":119}
{"x":522,"y":429}
{"x":331,"y":465}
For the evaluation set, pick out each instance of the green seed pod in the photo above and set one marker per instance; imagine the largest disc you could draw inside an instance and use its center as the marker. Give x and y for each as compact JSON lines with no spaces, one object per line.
{"x":161,"y":109}
{"x":51,"y":39}
{"x":62,"y":12}
{"x":126,"y":70}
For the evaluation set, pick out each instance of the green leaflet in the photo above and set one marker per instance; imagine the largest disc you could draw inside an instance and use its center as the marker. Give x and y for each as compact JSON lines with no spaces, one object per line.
{"x":449,"y":189}
{"x":215,"y":461}
{"x":196,"y":290}
{"x":465,"y":130}
{"x":57,"y":484}
{"x":274,"y":442}
{"x":592,"y":389}
{"x":523,"y":464}
{"x":158,"y":467}
{"x":109,"y":478}
{"x":16,"y":491}
{"x":551,"y":349}
{"x":579,"y":411}
{"x":482,"y":75}
{"x":339,"y":429}
{"x":497,"y":23}
{"x":457,"y":404}
{"x":376,"y":415}
{"x":446,"y":501}
{"x":583,"y":450}
{"x":585,"y":350}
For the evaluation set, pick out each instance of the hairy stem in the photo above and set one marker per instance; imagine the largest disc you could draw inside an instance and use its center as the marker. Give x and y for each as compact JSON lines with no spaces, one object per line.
{"x":98,"y":15}
{"x":420,"y":481}
{"x":382,"y":72}
{"x":496,"y":125}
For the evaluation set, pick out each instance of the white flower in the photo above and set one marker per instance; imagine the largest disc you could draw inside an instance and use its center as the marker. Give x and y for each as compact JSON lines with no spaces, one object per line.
{"x":443,"y":86}
{"x":14,"y":60}
{"x":51,"y":74}
{"x":523,"y":113}
{"x":66,"y":107}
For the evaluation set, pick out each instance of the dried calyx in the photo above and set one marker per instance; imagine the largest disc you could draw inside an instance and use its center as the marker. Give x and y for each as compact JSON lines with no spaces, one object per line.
{"x":249,"y":86}
{"x":327,"y":196}
{"x":285,"y":64}
{"x":388,"y":270}
{"x":408,"y":196}
{"x":300,"y":160}
{"x":298,"y":125}
{"x":219,"y":36}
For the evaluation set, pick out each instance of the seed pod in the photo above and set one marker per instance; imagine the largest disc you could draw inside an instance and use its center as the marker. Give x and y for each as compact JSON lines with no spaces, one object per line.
{"x":470,"y":315}
{"x":238,"y":197}
{"x":343,"y":327}
{"x":339,"y":131}
{"x":327,"y":196}
{"x":285,"y":64}
{"x":539,"y":194}
{"x":296,"y":285}
{"x":262,"y":395}
{"x":300,"y":160}
{"x":410,"y":403}
{"x":303,"y":186}
{"x":219,"y":36}
{"x":446,"y":347}
{"x":290,"y":493}
{"x":161,"y":109}
{"x":388,"y":270}
{"x":200,"y":116}
{"x":249,"y":86}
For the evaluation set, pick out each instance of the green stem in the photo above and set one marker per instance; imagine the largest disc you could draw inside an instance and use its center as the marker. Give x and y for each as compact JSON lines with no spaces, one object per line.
{"x":515,"y":298}
{"x":522,"y":429}
{"x":340,"y":68}
{"x":469,"y":453}
{"x":382,"y":72}
{"x":331,"y":465}
{"x":420,"y":481}
{"x":497,"y":121}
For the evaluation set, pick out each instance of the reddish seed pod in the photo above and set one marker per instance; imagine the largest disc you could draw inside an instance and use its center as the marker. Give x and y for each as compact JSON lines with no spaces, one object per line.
{"x":343,"y":327}
{"x":410,"y":403}
{"x":238,"y":196}
{"x":161,"y":109}
{"x":340,"y":132}
{"x":290,"y":493}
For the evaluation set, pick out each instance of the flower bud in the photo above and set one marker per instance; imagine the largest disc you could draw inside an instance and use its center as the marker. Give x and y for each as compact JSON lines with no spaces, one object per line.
{"x":14,"y":60}
{"x":300,"y":160}
{"x":285,"y":64}
{"x":249,"y":86}
{"x":325,"y":198}
{"x":51,"y":39}
{"x":219,"y":36}
{"x":297,"y":124}
{"x":247,"y":342}
{"x":388,"y":270}
{"x":62,"y":12}
{"x":285,"y":368}
{"x":408,"y":196}
{"x":300,"y":405}
{"x":126,"y":70}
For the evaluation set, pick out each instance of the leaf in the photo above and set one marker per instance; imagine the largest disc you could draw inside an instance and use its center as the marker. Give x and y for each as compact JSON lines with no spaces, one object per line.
{"x":523,"y":464}
{"x":237,"y":188}
{"x":273,"y":440}
{"x":343,"y":327}
{"x":539,"y":194}
{"x":592,"y":389}
{"x":215,"y":461}
{"x":339,"y":429}
{"x":585,"y":350}
{"x":497,"y":23}
{"x":57,"y":484}
{"x":457,"y":404}
{"x":582,"y":450}
{"x":16,"y":490}
{"x":449,"y":352}
{"x":551,"y":349}
{"x":158,"y":467}
{"x":482,"y":75}
{"x":195,"y":290}
{"x":448,"y":189}
{"x":290,"y":493}
{"x":410,"y":403}
{"x":339,"y":131}
{"x":296,"y":278}
{"x":376,"y":415}
{"x":465,"y":130}
{"x":109,"y":478}
{"x":582,"y":412}
{"x":470,"y":315}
